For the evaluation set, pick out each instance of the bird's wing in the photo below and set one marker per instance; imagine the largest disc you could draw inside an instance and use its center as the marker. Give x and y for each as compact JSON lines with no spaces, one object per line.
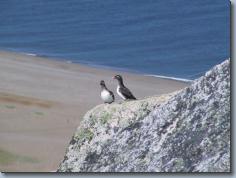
{"x":127,"y":93}
{"x":112,"y":94}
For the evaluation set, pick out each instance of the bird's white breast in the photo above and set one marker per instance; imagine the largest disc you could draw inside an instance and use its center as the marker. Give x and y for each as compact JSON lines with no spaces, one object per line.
{"x":106,"y":96}
{"x":119,"y":93}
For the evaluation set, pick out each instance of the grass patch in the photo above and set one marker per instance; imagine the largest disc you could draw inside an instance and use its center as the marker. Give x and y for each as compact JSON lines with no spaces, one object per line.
{"x":39,"y":113}
{"x":92,"y":120}
{"x":85,"y":134}
{"x":105,"y":117}
{"x":10,"y":106}
{"x":8,"y":158}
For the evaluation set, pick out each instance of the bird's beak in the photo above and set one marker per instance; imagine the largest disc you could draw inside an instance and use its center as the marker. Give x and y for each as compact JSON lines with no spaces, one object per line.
{"x":113,"y":78}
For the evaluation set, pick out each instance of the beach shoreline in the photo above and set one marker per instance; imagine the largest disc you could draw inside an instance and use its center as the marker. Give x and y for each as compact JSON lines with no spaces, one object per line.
{"x":97,"y":66}
{"x":42,"y":102}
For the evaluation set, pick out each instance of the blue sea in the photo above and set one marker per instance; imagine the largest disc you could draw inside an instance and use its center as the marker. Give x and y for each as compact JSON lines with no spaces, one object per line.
{"x":172,"y":38}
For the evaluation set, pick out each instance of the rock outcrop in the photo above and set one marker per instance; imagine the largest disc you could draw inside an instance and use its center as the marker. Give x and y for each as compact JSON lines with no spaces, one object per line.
{"x":185,"y":131}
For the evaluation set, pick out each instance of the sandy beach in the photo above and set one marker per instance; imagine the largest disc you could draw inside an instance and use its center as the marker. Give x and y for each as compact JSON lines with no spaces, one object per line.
{"x":42,"y":102}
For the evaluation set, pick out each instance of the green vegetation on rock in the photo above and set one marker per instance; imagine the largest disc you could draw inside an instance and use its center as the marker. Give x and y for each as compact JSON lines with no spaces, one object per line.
{"x":105,"y":117}
{"x":85,"y":134}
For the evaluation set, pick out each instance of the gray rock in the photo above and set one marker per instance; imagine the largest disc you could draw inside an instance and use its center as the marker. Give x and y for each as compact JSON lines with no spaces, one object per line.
{"x":185,"y":131}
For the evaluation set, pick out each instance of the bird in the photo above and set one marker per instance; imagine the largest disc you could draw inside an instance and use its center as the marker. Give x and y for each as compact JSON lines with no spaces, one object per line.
{"x":106,"y":95}
{"x":122,"y":91}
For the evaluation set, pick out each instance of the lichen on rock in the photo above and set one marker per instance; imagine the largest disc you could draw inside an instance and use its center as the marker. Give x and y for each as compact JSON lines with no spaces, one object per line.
{"x":185,"y":131}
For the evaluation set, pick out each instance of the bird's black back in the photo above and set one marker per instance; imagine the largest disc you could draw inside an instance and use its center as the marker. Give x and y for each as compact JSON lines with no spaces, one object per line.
{"x":127,"y":93}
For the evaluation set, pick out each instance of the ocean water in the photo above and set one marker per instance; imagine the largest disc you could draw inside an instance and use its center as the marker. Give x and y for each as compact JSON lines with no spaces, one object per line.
{"x":172,"y":38}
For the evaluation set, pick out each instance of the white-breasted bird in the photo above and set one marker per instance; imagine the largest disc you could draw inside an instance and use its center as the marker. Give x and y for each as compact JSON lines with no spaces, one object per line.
{"x":106,"y":95}
{"x":123,"y":91}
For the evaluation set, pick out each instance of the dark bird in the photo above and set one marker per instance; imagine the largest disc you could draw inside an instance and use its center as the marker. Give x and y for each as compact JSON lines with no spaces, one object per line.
{"x":106,"y":95}
{"x":122,"y":91}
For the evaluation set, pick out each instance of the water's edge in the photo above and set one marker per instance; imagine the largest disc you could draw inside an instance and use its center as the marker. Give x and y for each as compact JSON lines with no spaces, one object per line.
{"x":99,"y":66}
{"x":111,"y":68}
